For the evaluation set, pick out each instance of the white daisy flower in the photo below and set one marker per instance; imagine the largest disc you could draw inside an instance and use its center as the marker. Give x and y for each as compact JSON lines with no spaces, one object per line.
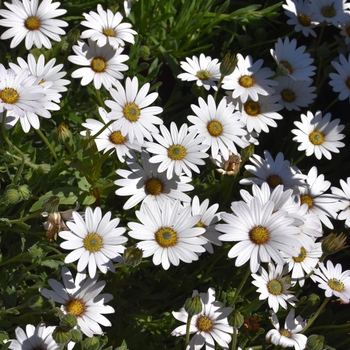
{"x":168,"y":234}
{"x":333,"y":280}
{"x":318,"y":135}
{"x":106,"y":27}
{"x":293,"y":61}
{"x":343,"y":195}
{"x":208,"y":219}
{"x":39,"y":337}
{"x":220,"y":125}
{"x":144,"y":183}
{"x":19,"y":92}
{"x":36,"y":23}
{"x":249,"y":80}
{"x":330,"y":11}
{"x":261,"y":233}
{"x":81,"y":297}
{"x":340,"y":81}
{"x":103,"y":65}
{"x":318,"y":201}
{"x":129,"y":109}
{"x":24,"y":98}
{"x":260,"y":114}
{"x":300,"y":16}
{"x":46,"y":72}
{"x":288,"y":336}
{"x":95,"y":241}
{"x":273,"y":286}
{"x":210,"y":325}
{"x":295,"y":93}
{"x":177,"y":151}
{"x":110,"y":138}
{"x":203,"y":70}
{"x":303,"y":263}
{"x":273,"y":171}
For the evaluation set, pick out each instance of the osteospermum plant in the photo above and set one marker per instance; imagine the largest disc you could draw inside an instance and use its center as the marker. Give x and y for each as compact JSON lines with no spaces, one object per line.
{"x":154,"y":150}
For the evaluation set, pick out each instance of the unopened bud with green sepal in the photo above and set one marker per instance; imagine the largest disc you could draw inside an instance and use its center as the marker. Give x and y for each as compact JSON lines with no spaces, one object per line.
{"x":193,"y":306}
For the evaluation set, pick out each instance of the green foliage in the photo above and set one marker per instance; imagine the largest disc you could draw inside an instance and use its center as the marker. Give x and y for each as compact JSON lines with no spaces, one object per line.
{"x":61,"y":165}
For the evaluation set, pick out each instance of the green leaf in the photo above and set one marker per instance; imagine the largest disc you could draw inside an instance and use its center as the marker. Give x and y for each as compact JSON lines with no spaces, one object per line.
{"x":123,"y":346}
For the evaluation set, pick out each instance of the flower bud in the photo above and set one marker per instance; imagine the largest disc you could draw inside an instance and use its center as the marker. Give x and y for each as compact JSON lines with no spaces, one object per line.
{"x":63,"y":133}
{"x":24,"y":192}
{"x":132,"y":256}
{"x":313,"y":300}
{"x":76,"y":335}
{"x":315,"y":342}
{"x":228,"y":64}
{"x":334,"y":243}
{"x":68,"y":322}
{"x":60,"y":336}
{"x":235,"y":319}
{"x":193,"y":306}
{"x":144,"y":51}
{"x":73,"y":36}
{"x":12,"y":196}
{"x":91,"y":343}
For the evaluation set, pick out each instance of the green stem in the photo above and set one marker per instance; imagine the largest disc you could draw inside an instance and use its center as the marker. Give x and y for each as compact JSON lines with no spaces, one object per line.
{"x":11,"y":145}
{"x":317,"y":313}
{"x":187,"y":336}
{"x":99,"y":98}
{"x":218,"y":86}
{"x":240,"y":287}
{"x":48,"y":144}
{"x":330,"y":105}
{"x":234,"y":339}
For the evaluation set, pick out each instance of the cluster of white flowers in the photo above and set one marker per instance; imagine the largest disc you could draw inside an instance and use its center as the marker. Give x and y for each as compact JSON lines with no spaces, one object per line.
{"x":279,"y":224}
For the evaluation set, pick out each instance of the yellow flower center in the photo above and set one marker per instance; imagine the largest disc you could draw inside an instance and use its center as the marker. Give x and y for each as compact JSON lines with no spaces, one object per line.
{"x":336,"y":285}
{"x":109,"y":32}
{"x":154,"y":187}
{"x":287,"y":66}
{"x":9,"y":95}
{"x":204,"y":323}
{"x":93,"y":242}
{"x":259,"y":235}
{"x":32,"y":23}
{"x":98,"y":64}
{"x":176,"y":152}
{"x":246,"y":81}
{"x":288,"y":95}
{"x":214,"y":128}
{"x":274,"y":181}
{"x":316,"y":138}
{"x":304,"y":20}
{"x":200,"y":224}
{"x":306,"y":199}
{"x":285,"y":333}
{"x":301,"y":257}
{"x":131,"y":112}
{"x":75,"y":307}
{"x":275,"y":287}
{"x":203,"y":74}
{"x":347,"y":82}
{"x":117,"y":138}
{"x":252,"y":108}
{"x":328,"y":11}
{"x":166,"y":237}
